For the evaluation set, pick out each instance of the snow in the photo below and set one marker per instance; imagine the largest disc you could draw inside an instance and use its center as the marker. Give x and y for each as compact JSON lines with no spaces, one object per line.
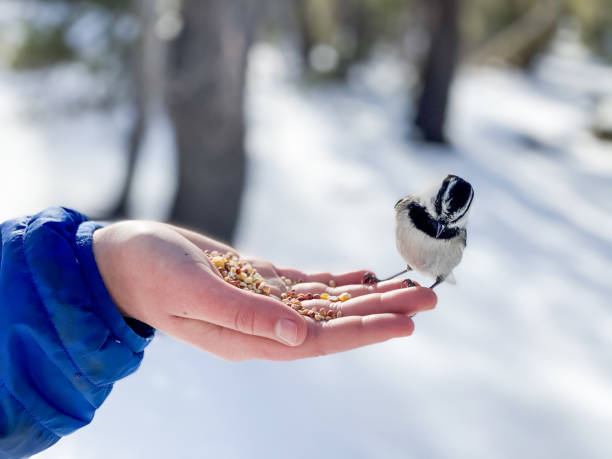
{"x":515,"y":360}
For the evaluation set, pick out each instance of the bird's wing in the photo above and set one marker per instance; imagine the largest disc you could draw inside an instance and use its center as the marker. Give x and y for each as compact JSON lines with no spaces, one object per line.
{"x":451,"y":279}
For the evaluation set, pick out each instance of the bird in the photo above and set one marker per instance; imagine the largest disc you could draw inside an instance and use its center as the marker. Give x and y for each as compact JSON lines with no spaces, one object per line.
{"x":430,"y":230}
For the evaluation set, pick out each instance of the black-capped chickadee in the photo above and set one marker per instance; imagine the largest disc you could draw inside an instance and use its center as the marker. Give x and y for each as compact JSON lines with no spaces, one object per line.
{"x":430,"y":229}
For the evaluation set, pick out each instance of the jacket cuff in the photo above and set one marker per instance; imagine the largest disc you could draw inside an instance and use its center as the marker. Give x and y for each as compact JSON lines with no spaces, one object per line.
{"x":98,"y":344}
{"x":63,"y":342}
{"x":134,"y":334}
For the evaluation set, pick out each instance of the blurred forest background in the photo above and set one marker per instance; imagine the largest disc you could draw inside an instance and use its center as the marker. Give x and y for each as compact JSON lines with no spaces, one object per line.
{"x":290,"y":127}
{"x":189,"y":57}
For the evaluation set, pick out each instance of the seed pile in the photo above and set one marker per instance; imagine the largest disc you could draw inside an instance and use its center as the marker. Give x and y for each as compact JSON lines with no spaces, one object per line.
{"x":242,"y":275}
{"x":289,"y":282}
{"x":294,"y":301}
{"x":237,"y":272}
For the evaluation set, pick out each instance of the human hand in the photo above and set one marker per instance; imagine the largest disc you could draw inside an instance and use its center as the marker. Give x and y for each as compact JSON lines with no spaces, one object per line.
{"x":159,"y":274}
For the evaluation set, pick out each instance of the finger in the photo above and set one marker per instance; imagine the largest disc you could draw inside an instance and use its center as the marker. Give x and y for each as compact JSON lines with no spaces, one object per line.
{"x":351,"y":332}
{"x":404,"y":301}
{"x":323,"y":337}
{"x":246,"y":312}
{"x":354,"y":289}
{"x":353,"y":277}
{"x":223,"y":342}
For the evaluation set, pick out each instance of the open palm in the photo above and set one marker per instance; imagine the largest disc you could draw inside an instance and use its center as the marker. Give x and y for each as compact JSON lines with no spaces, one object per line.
{"x":159,"y":274}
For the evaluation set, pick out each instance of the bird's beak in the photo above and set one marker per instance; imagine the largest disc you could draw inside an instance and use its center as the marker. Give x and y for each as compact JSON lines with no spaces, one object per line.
{"x":439,"y":230}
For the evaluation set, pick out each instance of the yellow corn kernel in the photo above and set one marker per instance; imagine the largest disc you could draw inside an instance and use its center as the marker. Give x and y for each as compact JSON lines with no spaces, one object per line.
{"x":345,"y":296}
{"x":219,"y":261}
{"x":324,"y":296}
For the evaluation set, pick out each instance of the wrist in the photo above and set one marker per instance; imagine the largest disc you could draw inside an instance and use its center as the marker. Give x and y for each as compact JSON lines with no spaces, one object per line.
{"x":104,"y":247}
{"x":134,"y":335}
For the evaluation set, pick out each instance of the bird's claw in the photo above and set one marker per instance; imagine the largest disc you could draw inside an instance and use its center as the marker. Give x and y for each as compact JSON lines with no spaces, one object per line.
{"x":371,"y":279}
{"x":406,"y":283}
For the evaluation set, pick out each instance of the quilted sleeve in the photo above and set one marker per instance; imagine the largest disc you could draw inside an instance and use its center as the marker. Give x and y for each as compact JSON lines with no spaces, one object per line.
{"x":63,"y":342}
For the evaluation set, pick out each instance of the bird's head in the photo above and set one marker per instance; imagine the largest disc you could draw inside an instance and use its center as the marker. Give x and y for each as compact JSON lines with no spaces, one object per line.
{"x":440,"y":211}
{"x":451,"y":203}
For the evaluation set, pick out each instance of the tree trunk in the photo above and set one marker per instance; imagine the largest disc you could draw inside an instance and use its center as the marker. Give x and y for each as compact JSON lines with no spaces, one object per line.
{"x":205,"y":93}
{"x":307,"y":39}
{"x":352,"y":20}
{"x":139,"y":72}
{"x":438,"y":69}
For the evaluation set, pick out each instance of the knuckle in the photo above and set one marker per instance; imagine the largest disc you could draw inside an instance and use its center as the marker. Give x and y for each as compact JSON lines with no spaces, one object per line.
{"x":244,"y":320}
{"x":379,"y":302}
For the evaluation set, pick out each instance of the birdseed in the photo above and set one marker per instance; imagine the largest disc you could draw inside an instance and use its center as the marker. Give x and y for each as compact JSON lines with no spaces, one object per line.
{"x":241,"y":274}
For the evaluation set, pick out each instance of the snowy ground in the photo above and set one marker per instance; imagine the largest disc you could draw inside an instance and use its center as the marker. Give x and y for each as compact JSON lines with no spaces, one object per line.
{"x":514,"y":362}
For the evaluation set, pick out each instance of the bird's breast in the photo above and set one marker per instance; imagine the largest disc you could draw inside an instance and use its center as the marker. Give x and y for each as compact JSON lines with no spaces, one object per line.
{"x":425,"y":254}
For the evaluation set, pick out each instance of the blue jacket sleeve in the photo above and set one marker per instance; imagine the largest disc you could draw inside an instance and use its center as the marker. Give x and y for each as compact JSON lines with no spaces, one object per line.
{"x":63,"y":342}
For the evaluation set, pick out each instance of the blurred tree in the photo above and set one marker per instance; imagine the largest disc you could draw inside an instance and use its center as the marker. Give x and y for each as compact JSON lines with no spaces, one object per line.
{"x":595,"y":19}
{"x":523,"y":31}
{"x":97,"y":33}
{"x":308,"y":27}
{"x":335,"y":34}
{"x":438,"y":69}
{"x":206,"y":79}
{"x":105,"y":36}
{"x":146,"y":81}
{"x":43,"y":46}
{"x":122,"y":43}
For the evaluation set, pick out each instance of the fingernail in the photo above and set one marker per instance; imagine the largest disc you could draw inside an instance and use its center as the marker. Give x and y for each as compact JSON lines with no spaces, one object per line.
{"x":286,"y":330}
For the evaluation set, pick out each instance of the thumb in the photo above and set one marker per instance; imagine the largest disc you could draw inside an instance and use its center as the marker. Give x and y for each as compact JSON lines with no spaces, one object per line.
{"x":217,"y":302}
{"x":259,"y":315}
